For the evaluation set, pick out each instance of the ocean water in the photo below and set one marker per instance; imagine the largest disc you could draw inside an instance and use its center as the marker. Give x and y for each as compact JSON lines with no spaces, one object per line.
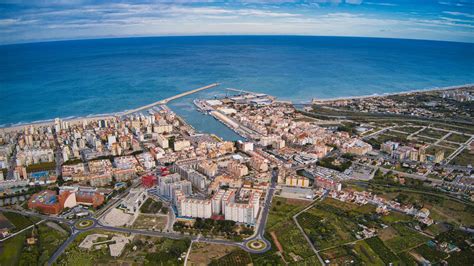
{"x":77,"y":78}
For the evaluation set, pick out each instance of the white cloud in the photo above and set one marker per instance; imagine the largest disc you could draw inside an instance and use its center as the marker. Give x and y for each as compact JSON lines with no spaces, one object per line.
{"x":459,"y":14}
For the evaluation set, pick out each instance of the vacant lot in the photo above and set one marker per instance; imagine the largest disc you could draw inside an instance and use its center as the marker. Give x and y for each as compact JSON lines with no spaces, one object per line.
{"x":152,"y":206}
{"x":457,"y":138}
{"x":150,"y":222}
{"x":203,"y":253}
{"x":464,"y":158}
{"x":432,"y":133}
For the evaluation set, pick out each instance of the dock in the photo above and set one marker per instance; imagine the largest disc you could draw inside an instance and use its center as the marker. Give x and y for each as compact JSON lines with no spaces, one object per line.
{"x":165,"y":101}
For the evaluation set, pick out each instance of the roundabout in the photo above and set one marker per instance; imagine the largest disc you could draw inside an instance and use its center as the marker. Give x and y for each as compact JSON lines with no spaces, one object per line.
{"x":256,"y":245}
{"x":84,"y":224}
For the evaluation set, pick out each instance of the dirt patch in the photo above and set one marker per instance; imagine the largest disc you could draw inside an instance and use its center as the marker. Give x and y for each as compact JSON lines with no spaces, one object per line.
{"x":203,"y":253}
{"x":153,"y":222}
{"x":387,"y":233}
{"x":297,"y":202}
{"x":275,"y":240}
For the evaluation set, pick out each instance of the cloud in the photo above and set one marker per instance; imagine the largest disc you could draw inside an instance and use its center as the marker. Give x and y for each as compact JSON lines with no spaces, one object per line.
{"x":89,"y":20}
{"x":459,"y":14}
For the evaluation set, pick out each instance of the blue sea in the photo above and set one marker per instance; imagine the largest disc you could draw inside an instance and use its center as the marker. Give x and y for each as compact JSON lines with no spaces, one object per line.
{"x":41,"y":81}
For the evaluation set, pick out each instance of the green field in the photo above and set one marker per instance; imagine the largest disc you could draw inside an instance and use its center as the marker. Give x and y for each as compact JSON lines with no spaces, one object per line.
{"x":431,"y":254}
{"x":381,"y":250}
{"x":464,"y":158}
{"x":331,"y":222}
{"x":236,"y":257}
{"x":15,"y":250}
{"x":457,"y":138}
{"x":405,"y":239}
{"x":10,"y":249}
{"x":280,"y":222}
{"x":19,"y":221}
{"x":152,"y":206}
{"x":150,"y":251}
{"x":432,"y":133}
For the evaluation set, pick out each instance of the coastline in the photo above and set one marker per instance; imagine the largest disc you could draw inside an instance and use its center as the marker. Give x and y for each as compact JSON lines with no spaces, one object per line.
{"x":93,"y":117}
{"x":456,"y":87}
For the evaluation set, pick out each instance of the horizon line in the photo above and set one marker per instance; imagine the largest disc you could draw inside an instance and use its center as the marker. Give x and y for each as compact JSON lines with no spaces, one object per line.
{"x":220,"y":35}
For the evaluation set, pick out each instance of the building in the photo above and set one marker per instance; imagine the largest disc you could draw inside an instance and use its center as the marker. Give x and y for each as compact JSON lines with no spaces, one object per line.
{"x":207,"y":168}
{"x":245,"y":146}
{"x":236,"y":169}
{"x":389,"y":146}
{"x":198,"y":208}
{"x":81,"y":195}
{"x":134,"y":200}
{"x":180,"y":145}
{"x":327,"y":184}
{"x":356,"y":146}
{"x":149,"y":181}
{"x":258,"y":163}
{"x":46,"y":202}
{"x":162,"y":141}
{"x":241,"y":212}
{"x":297,"y":181}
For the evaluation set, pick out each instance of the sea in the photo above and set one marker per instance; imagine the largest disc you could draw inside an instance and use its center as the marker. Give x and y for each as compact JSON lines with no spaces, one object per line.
{"x":42,"y":81}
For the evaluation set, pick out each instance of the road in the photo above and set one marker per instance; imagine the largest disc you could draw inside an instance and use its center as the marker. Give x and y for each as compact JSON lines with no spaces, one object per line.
{"x":75,"y":230}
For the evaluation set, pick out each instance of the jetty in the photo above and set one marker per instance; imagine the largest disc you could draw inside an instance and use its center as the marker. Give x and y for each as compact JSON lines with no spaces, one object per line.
{"x":165,"y":101}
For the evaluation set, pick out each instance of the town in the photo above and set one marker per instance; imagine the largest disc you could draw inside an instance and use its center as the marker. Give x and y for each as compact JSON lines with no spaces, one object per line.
{"x":300,"y":186}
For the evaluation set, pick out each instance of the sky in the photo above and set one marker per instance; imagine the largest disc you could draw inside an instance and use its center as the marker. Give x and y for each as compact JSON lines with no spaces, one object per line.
{"x":45,"y":20}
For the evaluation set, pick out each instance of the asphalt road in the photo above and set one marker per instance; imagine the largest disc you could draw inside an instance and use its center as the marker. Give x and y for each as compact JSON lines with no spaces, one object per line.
{"x":97,"y":225}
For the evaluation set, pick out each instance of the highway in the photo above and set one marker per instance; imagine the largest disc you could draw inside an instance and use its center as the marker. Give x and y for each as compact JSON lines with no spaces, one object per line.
{"x":165,"y":101}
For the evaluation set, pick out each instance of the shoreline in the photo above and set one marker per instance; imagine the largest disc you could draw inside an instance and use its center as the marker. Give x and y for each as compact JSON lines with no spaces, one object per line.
{"x":456,"y":87}
{"x":92,"y":117}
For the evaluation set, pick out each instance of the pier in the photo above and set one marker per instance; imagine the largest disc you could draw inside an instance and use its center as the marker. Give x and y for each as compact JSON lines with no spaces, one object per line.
{"x":165,"y":101}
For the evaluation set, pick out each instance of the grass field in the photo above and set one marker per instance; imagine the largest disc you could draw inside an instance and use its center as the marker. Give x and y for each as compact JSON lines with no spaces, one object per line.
{"x":432,"y":133}
{"x":405,"y":239}
{"x":152,"y":206}
{"x":366,"y":254}
{"x":331,"y":222}
{"x":385,"y":254}
{"x":280,"y":221}
{"x":236,"y":257}
{"x":408,"y":129}
{"x":457,"y":138}
{"x":464,"y":158}
{"x":283,"y":209}
{"x":19,"y":221}
{"x":15,"y":251}
{"x":431,"y":254}
{"x":150,"y":251}
{"x":10,"y":249}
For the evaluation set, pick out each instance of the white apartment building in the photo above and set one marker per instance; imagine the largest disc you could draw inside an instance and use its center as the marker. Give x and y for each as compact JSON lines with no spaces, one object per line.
{"x":196,"y":208}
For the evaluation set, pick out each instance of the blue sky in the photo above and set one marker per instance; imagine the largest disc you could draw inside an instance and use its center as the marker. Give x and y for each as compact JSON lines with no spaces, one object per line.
{"x":41,"y":20}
